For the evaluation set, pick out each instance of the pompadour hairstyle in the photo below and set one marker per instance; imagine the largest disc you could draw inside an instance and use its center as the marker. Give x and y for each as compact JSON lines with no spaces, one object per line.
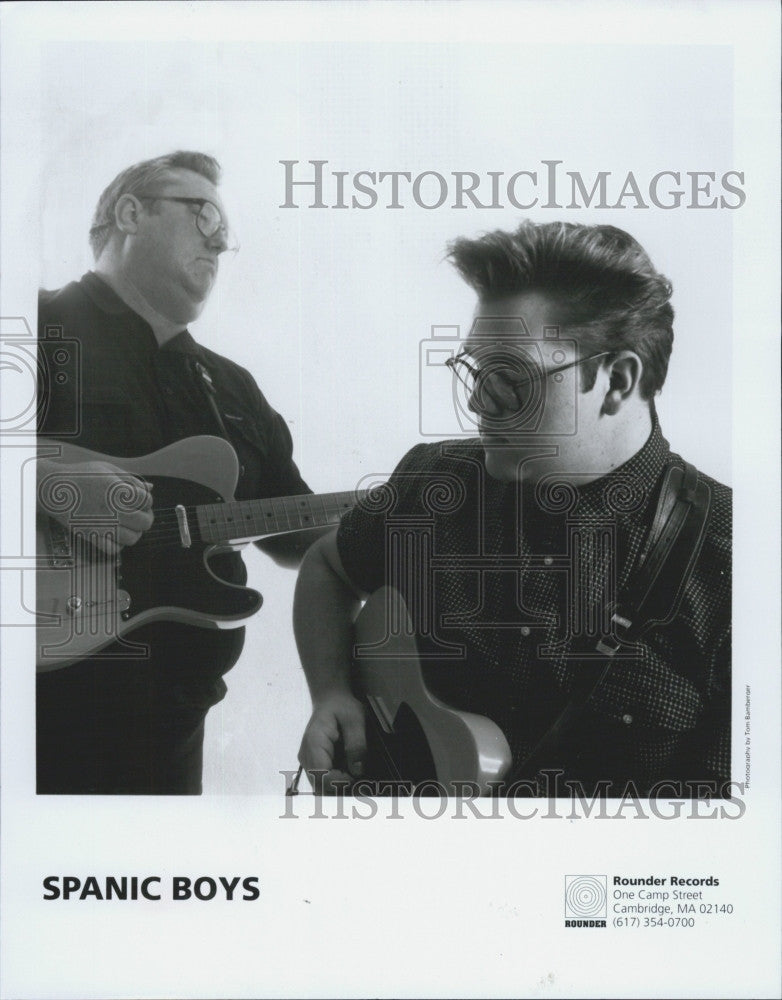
{"x":137,"y":178}
{"x":603,"y":288}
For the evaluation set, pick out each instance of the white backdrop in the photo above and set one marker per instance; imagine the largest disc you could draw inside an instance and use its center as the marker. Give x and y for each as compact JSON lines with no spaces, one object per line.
{"x":327,"y":308}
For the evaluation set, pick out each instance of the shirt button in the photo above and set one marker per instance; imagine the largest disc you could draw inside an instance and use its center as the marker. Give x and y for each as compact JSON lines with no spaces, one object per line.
{"x":524,"y":630}
{"x":627,"y":718}
{"x":548,"y":561}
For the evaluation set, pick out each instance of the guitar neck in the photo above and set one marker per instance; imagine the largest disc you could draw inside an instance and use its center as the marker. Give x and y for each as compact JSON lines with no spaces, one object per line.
{"x":248,"y":519}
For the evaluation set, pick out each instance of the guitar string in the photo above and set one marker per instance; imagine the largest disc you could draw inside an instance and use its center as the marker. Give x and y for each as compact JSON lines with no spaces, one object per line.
{"x":386,"y":752}
{"x":165,"y":528}
{"x":166,"y":523}
{"x":165,"y":532}
{"x":315,"y":506}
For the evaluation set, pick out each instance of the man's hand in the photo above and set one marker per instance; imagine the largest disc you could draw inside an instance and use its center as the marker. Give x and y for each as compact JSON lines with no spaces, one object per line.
{"x":335,"y":741}
{"x":98,"y":493}
{"x":324,"y":607}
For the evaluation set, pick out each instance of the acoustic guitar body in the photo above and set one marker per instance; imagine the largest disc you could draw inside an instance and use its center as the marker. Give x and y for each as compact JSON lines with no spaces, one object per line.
{"x":414,"y":739}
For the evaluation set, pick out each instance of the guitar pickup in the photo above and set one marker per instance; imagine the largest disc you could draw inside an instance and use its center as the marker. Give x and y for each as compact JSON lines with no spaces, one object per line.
{"x":184,"y":528}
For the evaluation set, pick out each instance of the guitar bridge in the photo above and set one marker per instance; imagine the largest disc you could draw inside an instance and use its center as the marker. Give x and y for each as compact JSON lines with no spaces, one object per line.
{"x":60,"y":545}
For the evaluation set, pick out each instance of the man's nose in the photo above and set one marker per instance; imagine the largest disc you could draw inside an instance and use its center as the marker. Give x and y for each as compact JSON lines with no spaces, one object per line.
{"x":493,"y":397}
{"x":218,"y":241}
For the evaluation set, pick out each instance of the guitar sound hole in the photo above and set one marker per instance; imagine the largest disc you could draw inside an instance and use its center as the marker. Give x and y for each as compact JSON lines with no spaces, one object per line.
{"x":409,"y":750}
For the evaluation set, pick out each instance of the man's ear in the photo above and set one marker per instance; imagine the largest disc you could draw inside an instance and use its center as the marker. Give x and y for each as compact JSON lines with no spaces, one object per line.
{"x":624,"y":374}
{"x":126,"y":213}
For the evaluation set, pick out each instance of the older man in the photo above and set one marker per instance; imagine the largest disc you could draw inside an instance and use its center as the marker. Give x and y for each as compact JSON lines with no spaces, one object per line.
{"x":541,"y":553}
{"x":134,"y":724}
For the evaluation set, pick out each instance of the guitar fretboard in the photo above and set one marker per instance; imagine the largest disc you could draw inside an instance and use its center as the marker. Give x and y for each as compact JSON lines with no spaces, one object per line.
{"x":242,"y":519}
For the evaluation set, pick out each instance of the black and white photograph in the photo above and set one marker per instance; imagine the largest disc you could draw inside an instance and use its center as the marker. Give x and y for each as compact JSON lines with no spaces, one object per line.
{"x":390,"y":490}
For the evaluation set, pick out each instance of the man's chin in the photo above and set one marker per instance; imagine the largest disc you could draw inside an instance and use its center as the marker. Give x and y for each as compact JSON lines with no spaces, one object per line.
{"x":199,"y":289}
{"x":192,"y":298}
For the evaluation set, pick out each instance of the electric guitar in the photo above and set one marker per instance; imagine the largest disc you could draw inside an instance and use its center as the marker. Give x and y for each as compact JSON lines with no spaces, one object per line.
{"x":413,"y":738}
{"x":87,"y":600}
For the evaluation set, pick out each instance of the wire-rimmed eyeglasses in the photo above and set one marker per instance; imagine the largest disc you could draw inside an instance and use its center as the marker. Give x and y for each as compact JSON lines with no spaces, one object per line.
{"x":209,"y":220}
{"x":498,"y":384}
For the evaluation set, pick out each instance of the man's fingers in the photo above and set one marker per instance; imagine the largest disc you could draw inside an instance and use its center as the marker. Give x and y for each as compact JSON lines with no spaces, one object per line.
{"x":334,"y":782}
{"x":317,"y":761}
{"x":334,"y":733}
{"x":106,"y":542}
{"x":148,"y":497}
{"x":114,"y":506}
{"x":316,"y":756}
{"x":355,"y":743}
{"x":136,"y":496}
{"x":317,"y":745}
{"x":133,"y":522}
{"x":137,"y":520}
{"x":127,"y":536}
{"x":329,"y":782}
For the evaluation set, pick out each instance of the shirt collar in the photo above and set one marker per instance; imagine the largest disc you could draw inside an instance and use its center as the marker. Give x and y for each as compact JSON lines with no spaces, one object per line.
{"x":183,"y":343}
{"x":627,"y":490}
{"x":104,"y":296}
{"x":620,"y":496}
{"x":106,"y":299}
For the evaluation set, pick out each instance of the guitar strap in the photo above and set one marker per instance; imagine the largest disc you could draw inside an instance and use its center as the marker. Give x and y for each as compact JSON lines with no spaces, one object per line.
{"x":207,"y":387}
{"x":651,"y":598}
{"x":210,"y":394}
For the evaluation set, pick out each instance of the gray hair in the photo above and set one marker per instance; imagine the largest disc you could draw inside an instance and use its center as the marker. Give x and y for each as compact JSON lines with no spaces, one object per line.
{"x":136,"y":178}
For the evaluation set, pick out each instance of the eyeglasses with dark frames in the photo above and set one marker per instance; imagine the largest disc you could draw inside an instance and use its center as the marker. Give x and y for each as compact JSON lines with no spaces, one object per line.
{"x":507,"y":378}
{"x":209,"y":219}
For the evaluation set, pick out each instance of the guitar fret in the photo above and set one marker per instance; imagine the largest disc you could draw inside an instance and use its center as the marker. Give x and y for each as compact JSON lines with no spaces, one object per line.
{"x":281,"y":513}
{"x":100,"y":598}
{"x":322,"y":513}
{"x":220,"y":522}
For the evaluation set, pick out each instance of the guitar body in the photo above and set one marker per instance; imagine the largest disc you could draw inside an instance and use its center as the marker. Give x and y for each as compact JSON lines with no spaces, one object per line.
{"x":87,"y":599}
{"x":413,"y":737}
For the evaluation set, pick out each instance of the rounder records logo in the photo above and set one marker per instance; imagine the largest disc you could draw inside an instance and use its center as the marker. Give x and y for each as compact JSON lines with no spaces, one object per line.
{"x":585,"y":900}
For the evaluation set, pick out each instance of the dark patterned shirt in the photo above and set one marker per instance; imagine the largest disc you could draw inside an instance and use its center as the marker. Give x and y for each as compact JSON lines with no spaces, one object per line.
{"x":511,"y":584}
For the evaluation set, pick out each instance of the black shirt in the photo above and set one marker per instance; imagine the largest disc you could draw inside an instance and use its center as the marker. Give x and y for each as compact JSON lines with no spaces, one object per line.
{"x":121,"y":394}
{"x":516,"y":580}
{"x":132,"y":397}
